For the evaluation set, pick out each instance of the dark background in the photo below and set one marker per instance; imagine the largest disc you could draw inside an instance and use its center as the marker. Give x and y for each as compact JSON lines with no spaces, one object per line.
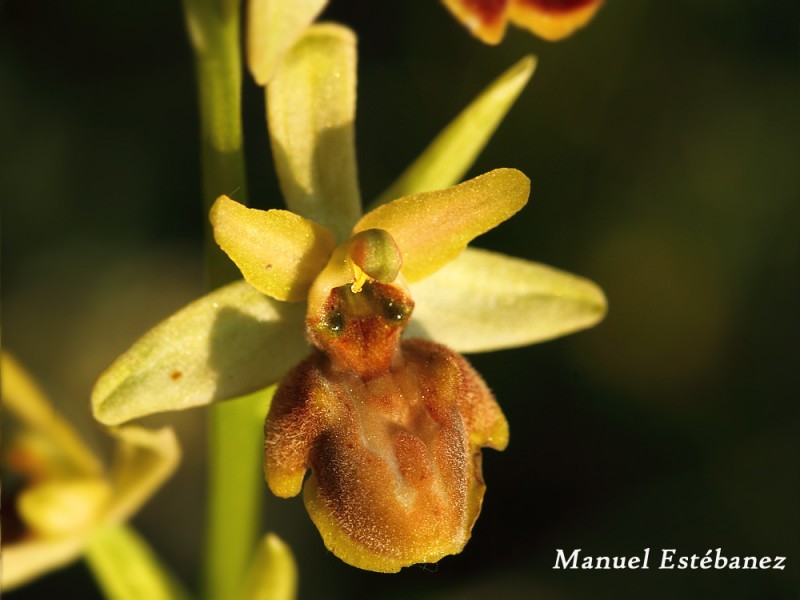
{"x":662,"y":145}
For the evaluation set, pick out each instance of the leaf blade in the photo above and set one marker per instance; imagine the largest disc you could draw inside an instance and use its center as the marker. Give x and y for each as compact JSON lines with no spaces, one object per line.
{"x":127,"y":568}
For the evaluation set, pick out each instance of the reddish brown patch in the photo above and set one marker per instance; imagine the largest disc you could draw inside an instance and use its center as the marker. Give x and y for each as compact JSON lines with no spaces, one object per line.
{"x":24,"y":462}
{"x":360,"y":332}
{"x":175,"y":375}
{"x":268,"y":267}
{"x":557,"y":6}
{"x":488,"y":11}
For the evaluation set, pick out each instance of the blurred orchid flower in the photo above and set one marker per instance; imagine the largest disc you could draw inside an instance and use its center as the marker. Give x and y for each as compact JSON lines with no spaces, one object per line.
{"x":549,"y":19}
{"x":391,"y":429}
{"x":64,"y":500}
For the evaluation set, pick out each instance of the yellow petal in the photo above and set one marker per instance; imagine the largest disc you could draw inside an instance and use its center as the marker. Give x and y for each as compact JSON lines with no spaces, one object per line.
{"x":432,"y":228}
{"x":228,"y":343}
{"x":272,"y":27}
{"x":63,"y":507}
{"x":444,"y":162}
{"x":22,"y":397}
{"x":31,"y":558}
{"x":273,"y":572}
{"x":552,"y":20}
{"x":486,"y":20}
{"x":485,"y":301}
{"x":278,"y":252}
{"x":144,"y":459}
{"x":310,"y":108}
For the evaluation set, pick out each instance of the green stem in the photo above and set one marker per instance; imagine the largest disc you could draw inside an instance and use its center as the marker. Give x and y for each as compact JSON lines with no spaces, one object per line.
{"x":214,"y":29}
{"x":126,"y":568}
{"x":235,"y":446}
{"x":235,"y":485}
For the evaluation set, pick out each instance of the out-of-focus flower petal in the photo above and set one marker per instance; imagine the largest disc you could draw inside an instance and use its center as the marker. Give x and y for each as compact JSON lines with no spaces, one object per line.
{"x":25,"y":400}
{"x":485,"y":301}
{"x":27,"y":560}
{"x":145,"y":459}
{"x":432,"y":228}
{"x":61,"y":507}
{"x":273,"y":572}
{"x":310,"y":108}
{"x":230,"y":342}
{"x":278,"y":252}
{"x":552,"y":19}
{"x":272,"y":27}
{"x":444,"y":162}
{"x":486,"y":19}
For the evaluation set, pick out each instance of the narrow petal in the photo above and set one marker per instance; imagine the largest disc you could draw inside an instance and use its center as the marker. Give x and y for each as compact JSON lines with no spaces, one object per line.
{"x":553,"y":19}
{"x":31,"y":558}
{"x":486,"y":19}
{"x":444,"y":162}
{"x":310,"y":108}
{"x":278,"y":252}
{"x":231,"y":342}
{"x":272,"y":27}
{"x":144,"y":460}
{"x":27,"y":402}
{"x":273,"y":573}
{"x":432,"y":228}
{"x":486,"y":301}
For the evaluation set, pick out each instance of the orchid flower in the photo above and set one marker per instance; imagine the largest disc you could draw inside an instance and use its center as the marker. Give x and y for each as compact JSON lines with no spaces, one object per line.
{"x":392,"y":432}
{"x":391,"y":428}
{"x":549,"y":19}
{"x":68,"y":503}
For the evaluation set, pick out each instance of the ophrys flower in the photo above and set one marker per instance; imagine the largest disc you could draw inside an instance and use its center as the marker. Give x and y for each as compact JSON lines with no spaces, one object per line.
{"x":414,"y":412}
{"x":391,"y":431}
